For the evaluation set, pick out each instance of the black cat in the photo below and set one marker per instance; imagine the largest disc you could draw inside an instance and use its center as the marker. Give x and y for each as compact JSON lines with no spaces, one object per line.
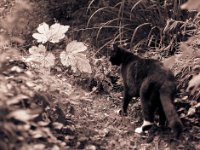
{"x":155,"y":85}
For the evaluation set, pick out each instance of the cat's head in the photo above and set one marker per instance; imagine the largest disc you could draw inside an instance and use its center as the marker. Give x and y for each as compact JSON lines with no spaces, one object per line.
{"x":116,"y":56}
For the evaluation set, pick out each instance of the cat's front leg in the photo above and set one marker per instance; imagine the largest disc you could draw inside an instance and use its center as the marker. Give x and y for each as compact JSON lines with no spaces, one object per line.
{"x":126,"y":100}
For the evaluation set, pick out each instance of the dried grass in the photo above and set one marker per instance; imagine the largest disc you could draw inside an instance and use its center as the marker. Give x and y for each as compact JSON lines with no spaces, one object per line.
{"x":135,"y":23}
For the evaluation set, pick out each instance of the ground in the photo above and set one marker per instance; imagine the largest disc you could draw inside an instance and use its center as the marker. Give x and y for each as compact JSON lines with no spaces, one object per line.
{"x":87,"y":119}
{"x":99,"y":125}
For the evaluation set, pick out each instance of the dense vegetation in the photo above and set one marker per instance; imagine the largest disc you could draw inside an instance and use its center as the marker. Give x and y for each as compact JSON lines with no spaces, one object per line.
{"x":58,"y":89}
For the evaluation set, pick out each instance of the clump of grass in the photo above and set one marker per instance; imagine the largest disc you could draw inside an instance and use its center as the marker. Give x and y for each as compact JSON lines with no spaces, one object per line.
{"x":140,"y":23}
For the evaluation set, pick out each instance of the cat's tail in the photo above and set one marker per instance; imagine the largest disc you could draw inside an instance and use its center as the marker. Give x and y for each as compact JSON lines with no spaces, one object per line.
{"x":167,"y":91}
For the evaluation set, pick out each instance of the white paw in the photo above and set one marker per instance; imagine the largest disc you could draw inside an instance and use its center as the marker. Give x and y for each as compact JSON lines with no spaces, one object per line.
{"x":146,"y":123}
{"x":138,"y":130}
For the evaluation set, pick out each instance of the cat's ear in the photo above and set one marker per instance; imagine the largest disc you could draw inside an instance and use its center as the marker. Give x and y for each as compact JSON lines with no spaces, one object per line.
{"x":115,"y":46}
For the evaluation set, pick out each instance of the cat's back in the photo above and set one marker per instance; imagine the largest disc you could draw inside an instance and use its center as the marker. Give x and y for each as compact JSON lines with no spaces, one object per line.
{"x":149,"y":67}
{"x":157,"y":70}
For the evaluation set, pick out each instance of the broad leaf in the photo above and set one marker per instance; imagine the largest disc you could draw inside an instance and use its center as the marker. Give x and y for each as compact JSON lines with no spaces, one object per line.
{"x":57,"y":32}
{"x":74,"y":58}
{"x":39,"y":56}
{"x":43,"y":35}
{"x":53,"y":34}
{"x":41,"y":49}
{"x":76,"y":47}
{"x":83,"y":63}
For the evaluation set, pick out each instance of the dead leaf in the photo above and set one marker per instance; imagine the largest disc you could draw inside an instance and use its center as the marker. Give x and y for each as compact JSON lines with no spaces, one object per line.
{"x":191,"y":111}
{"x":194,"y":84}
{"x":37,"y":134}
{"x":22,"y":115}
{"x":58,"y":125}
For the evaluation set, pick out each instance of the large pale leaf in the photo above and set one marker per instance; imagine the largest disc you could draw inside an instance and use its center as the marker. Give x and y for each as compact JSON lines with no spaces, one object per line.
{"x":41,"y":49}
{"x":74,"y":58}
{"x":43,"y":35}
{"x":76,"y":47}
{"x":53,"y":34}
{"x":41,"y":38}
{"x":43,"y":28}
{"x":68,"y":60}
{"x":42,"y":60}
{"x":39,"y":56}
{"x":83,"y":63}
{"x":57,"y":32}
{"x":48,"y":60}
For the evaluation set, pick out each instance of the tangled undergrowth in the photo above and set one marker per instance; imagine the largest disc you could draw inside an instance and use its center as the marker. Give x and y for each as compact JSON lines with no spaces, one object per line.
{"x":46,"y":109}
{"x":142,"y":24}
{"x":26,"y":115}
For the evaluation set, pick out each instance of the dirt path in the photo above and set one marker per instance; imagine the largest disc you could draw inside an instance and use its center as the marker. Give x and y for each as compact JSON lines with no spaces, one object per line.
{"x":98,"y":126}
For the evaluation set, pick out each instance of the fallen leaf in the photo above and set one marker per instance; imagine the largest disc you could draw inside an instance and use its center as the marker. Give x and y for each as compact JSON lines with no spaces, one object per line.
{"x":22,"y":115}
{"x":194,"y":84}
{"x":191,"y":111}
{"x":58,"y":125}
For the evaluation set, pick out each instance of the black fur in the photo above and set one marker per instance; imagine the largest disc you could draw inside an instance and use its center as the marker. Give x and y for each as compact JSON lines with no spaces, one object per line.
{"x":150,"y":80}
